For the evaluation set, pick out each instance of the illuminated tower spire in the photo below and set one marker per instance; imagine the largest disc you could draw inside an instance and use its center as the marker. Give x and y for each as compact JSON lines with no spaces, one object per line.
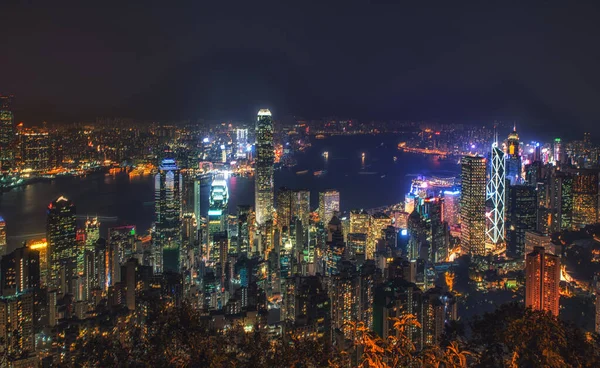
{"x":495,"y":195}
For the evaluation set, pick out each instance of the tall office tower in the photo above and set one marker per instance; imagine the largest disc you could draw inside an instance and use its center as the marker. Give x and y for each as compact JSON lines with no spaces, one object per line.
{"x":496,"y":193}
{"x":451,"y":207}
{"x":438,"y":249}
{"x":542,"y":279}
{"x":417,"y":234}
{"x":521,"y":216}
{"x":197,"y":199}
{"x":20,"y":271}
{"x":188,"y":193}
{"x":244,"y":246}
{"x":301,"y":206}
{"x":41,"y":246}
{"x":92,"y":232}
{"x":265,"y":158}
{"x":16,"y":324}
{"x":35,"y":149}
{"x":241,"y":142}
{"x":329,"y":205}
{"x":360,"y":222}
{"x":221,"y":244}
{"x":285,"y":211}
{"x":7,"y":131}
{"x":513,"y":158}
{"x":62,"y":245}
{"x":536,"y":239}
{"x":379,"y":222}
{"x":3,"y":245}
{"x":167,"y":197}
{"x":585,"y":198}
{"x":218,"y":200}
{"x":120,"y":248}
{"x":472,"y":204}
{"x":557,"y":153}
{"x":561,"y":201}
{"x":438,"y":309}
{"x":533,"y":173}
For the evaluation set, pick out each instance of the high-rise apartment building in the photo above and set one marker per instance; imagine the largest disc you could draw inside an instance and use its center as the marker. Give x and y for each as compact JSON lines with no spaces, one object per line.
{"x":168,"y":212}
{"x":542,"y":279}
{"x":472,"y":204}
{"x":20,"y":271}
{"x":62,"y":245}
{"x":265,"y":158}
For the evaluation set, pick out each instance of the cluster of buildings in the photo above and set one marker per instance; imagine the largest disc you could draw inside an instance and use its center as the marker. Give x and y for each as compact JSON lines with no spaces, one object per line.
{"x":281,"y":263}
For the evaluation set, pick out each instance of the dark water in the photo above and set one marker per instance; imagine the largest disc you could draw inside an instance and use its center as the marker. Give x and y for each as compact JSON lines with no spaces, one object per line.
{"x":131,"y":200}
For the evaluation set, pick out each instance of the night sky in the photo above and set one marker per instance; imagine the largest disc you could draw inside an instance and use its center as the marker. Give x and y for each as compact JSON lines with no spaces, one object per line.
{"x":224,"y":59}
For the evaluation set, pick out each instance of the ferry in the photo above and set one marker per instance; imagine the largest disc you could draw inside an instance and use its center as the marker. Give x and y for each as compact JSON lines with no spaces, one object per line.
{"x":301,"y":172}
{"x":326,"y":154}
{"x":320,"y":173}
{"x":319,"y":136}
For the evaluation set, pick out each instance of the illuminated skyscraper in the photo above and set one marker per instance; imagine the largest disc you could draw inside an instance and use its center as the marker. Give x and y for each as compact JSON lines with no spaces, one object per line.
{"x":167,"y":236}
{"x":585,"y":198}
{"x":561,"y":201}
{"x":17,"y":325}
{"x":265,"y":158}
{"x":379,"y":222}
{"x":301,"y":206}
{"x":542,"y":279}
{"x":92,"y":232}
{"x":285,"y":209}
{"x":62,"y":245}
{"x":329,"y":205}
{"x":557,"y":153}
{"x":472,"y":204}
{"x":496,"y":195}
{"x":7,"y":131}
{"x":241,"y":141}
{"x":35,"y":149}
{"x":513,"y":158}
{"x":3,"y":246}
{"x":360,"y":222}
{"x":20,"y":271}
{"x":521,"y":216}
{"x":219,"y":196}
{"x":451,"y":207}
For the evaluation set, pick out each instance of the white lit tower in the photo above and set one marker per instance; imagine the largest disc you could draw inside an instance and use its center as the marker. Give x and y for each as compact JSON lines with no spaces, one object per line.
{"x":495,"y":196}
{"x":168,"y":212}
{"x":265,"y":158}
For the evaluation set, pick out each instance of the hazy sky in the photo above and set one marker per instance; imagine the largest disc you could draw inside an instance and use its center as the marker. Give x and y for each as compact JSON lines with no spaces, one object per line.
{"x":66,"y":60}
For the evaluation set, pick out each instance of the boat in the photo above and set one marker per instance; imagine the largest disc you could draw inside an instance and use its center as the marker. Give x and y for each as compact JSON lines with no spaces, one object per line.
{"x":319,"y":136}
{"x":320,"y":173}
{"x":326,"y":154}
{"x":301,"y":172}
{"x":383,"y":176}
{"x":395,"y":158}
{"x":363,"y":155}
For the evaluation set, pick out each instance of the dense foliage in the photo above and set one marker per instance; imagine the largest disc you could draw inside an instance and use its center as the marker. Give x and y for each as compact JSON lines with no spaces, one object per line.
{"x":512,"y":336}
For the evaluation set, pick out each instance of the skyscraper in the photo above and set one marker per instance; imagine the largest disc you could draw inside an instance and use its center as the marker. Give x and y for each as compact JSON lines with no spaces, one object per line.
{"x":167,"y":236}
{"x":472,"y":204}
{"x":521,"y":216}
{"x":35,"y":149}
{"x":20,"y":271}
{"x":302,"y":206}
{"x":7,"y":131}
{"x":219,"y":196}
{"x":585,"y":198}
{"x":329,"y":204}
{"x":542,"y":279}
{"x":62,"y":245}
{"x":265,"y":158}
{"x":3,"y":247}
{"x":496,"y":194}
{"x":561,"y":200}
{"x":513,"y":158}
{"x":451,"y":207}
{"x":285,"y":209}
